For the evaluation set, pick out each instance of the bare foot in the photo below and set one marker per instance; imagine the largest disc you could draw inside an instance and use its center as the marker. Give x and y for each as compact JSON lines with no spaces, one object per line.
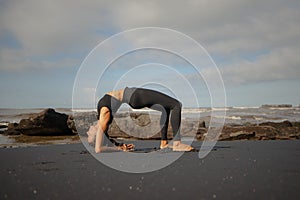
{"x":178,"y":146}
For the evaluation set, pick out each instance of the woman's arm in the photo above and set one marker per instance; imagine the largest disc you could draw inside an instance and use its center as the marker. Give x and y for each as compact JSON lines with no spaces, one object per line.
{"x":102,"y":127}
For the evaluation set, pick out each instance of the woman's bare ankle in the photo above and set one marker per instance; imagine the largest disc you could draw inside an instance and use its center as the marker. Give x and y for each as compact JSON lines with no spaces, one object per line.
{"x":163,"y":144}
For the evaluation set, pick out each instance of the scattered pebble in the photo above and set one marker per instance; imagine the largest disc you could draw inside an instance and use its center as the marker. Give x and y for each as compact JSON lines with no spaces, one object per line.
{"x":34,"y":191}
{"x":214,"y":196}
{"x":130,"y":187}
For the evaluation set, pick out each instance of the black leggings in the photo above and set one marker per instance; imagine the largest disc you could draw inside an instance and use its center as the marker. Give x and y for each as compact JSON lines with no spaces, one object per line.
{"x":168,"y":106}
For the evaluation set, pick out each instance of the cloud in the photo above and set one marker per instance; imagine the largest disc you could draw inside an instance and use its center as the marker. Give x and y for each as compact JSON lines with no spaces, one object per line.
{"x":49,"y":30}
{"x":258,"y":41}
{"x":45,"y":26}
{"x":15,"y":60}
{"x":279,"y":64}
{"x":61,"y":33}
{"x":223,"y":26}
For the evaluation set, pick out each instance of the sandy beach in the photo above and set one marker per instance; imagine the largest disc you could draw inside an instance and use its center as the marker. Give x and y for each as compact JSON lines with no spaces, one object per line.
{"x":233,"y":170}
{"x":154,"y":78}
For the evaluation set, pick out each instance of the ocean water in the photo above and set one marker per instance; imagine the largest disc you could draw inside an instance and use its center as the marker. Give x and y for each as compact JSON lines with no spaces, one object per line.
{"x":243,"y":115}
{"x":233,"y":115}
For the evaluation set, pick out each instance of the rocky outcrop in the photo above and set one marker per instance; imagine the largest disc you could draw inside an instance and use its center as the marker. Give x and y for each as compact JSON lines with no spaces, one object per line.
{"x":124,"y":126}
{"x":47,"y":122}
{"x":138,"y":125}
{"x":265,"y":131}
{"x":278,"y":125}
{"x":277,"y":106}
{"x":248,"y":133}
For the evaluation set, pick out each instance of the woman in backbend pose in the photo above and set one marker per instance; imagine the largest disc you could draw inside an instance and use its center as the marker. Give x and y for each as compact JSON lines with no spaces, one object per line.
{"x":139,"y":98}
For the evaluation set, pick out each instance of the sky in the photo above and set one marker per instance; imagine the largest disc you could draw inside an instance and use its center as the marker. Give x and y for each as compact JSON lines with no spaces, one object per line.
{"x":254,"y":44}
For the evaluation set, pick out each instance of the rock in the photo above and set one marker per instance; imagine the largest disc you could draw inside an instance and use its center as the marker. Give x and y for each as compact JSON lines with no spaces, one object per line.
{"x":190,"y":128}
{"x":71,"y":124}
{"x":144,"y":126}
{"x":12,"y":125}
{"x":242,"y":135}
{"x":80,"y":122}
{"x":136,"y":125}
{"x":286,"y":129}
{"x":201,"y":132}
{"x":296,"y":124}
{"x":277,"y":106}
{"x":202,"y":124}
{"x":11,"y":129}
{"x":142,"y":119}
{"x":47,"y":122}
{"x":248,"y":132}
{"x":279,"y":125}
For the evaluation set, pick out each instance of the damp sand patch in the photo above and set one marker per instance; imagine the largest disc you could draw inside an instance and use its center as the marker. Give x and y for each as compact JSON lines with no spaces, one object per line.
{"x":24,"y":140}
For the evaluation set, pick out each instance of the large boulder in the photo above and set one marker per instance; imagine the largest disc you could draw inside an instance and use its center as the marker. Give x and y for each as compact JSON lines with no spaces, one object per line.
{"x":287,"y":130}
{"x":47,"y":122}
{"x":279,"y":125}
{"x":265,"y":131}
{"x":248,"y":133}
{"x":135,"y":125}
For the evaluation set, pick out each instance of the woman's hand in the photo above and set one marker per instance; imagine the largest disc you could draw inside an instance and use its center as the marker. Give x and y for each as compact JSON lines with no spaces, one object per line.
{"x":126,"y":147}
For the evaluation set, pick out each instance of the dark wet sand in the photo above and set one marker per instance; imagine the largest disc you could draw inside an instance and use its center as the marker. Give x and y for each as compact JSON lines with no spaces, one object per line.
{"x":234,"y":170}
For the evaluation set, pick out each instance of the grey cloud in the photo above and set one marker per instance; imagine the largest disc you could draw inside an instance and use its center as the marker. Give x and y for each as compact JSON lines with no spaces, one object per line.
{"x":47,"y":29}
{"x":232,"y":29}
{"x":280,"y":64}
{"x":226,"y":28}
{"x":222,"y":26}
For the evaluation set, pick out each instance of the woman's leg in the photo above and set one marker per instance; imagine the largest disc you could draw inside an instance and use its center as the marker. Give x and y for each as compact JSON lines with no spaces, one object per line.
{"x":158,"y":101}
{"x":164,"y":123}
{"x":176,"y":120}
{"x":141,"y":98}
